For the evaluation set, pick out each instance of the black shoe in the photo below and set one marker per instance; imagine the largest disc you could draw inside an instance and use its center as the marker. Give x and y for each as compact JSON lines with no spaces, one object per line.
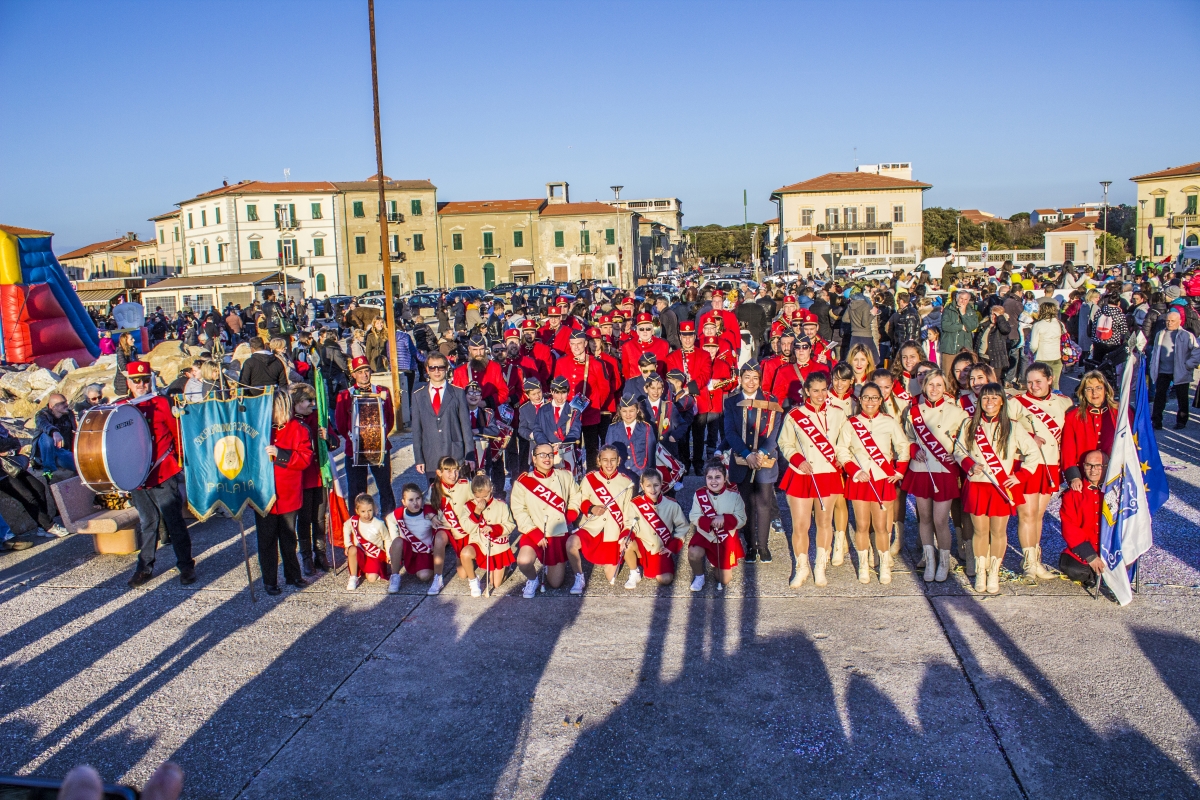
{"x":273,"y":589}
{"x":320,"y":561}
{"x":187,"y":576}
{"x":1180,"y":426}
{"x":140,"y":578}
{"x":1156,"y":425}
{"x":299,"y":583}
{"x":751,"y":555}
{"x":764,"y":556}
{"x":306,"y":565}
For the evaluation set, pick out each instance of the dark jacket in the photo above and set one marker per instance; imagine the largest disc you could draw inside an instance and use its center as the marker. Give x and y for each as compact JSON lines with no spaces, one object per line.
{"x":669,"y":323}
{"x":263,"y":369}
{"x":906,"y":325}
{"x":958,"y":329}
{"x":444,"y":434}
{"x":768,"y":437}
{"x":821,"y":309}
{"x":48,"y":424}
{"x":769,"y":307}
{"x":754,"y":318}
{"x":993,"y":343}
{"x":1014,"y":307}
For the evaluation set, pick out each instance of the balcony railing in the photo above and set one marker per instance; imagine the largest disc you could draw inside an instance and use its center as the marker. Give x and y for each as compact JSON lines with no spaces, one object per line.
{"x":489,"y":252}
{"x":290,"y":261}
{"x":393,"y":216}
{"x":852,"y":227}
{"x":398,"y":257}
{"x":1180,"y":220}
{"x":286,"y":223}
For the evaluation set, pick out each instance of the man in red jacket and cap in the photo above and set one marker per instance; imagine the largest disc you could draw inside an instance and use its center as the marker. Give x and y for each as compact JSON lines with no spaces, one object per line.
{"x":692,"y":361}
{"x":644,"y":342}
{"x":554,"y":334}
{"x":1080,"y":515}
{"x":729,"y":330}
{"x":481,"y":369}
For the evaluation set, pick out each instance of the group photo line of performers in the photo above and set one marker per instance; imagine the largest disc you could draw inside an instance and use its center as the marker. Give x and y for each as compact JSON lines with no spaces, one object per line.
{"x":567,"y":443}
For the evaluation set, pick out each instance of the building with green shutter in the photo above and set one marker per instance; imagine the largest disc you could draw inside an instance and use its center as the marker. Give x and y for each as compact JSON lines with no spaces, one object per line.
{"x":411,"y":208}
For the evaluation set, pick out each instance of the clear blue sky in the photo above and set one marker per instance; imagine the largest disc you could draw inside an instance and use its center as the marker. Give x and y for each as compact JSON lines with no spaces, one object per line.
{"x":114,"y":111}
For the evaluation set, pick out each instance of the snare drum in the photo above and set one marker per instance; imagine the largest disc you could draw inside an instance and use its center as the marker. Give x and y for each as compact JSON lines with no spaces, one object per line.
{"x":113,"y":449}
{"x":370,"y":438}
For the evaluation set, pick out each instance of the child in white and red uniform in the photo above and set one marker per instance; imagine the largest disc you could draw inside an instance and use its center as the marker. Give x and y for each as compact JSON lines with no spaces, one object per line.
{"x":717,"y":513}
{"x":410,"y":528}
{"x":367,"y":537}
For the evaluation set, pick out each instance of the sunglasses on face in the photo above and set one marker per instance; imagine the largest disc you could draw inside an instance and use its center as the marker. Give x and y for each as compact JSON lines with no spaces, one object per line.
{"x":804,"y":346}
{"x":436,"y":369}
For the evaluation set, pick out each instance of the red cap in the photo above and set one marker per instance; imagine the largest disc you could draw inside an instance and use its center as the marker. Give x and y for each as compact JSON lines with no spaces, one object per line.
{"x":554,"y":311}
{"x":687,"y":326}
{"x":137,"y":369}
{"x":804,"y":315}
{"x":791,"y":298}
{"x":627,"y":302}
{"x":777,"y":328}
{"x":594,"y":333}
{"x":512,"y":333}
{"x":705,"y":341}
{"x":605,"y":319}
{"x":528,"y":325}
{"x":359,"y":362}
{"x":617,"y":315}
{"x":644,"y":317}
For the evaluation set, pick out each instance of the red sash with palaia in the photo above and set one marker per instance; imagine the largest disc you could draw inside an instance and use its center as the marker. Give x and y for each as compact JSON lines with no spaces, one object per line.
{"x":967,"y":401}
{"x":410,"y":538}
{"x":650,"y":513}
{"x":926,"y":436}
{"x":710,"y":511}
{"x":868,"y":443}
{"x":456,"y":527}
{"x":819,"y":440}
{"x":544,"y":493}
{"x":902,"y":394}
{"x":1047,"y":419}
{"x":606,"y":499}
{"x":372,"y":550}
{"x":994,"y":465}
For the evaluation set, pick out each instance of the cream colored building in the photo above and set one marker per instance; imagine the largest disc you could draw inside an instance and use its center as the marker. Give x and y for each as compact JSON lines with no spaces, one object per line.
{"x":485,"y":242}
{"x":1076,"y":241}
{"x":1167,"y":205}
{"x":168,"y":239}
{"x":591,"y":241}
{"x":871,"y":216}
{"x":660,"y":215}
{"x":412,"y":229}
{"x":114,"y":258}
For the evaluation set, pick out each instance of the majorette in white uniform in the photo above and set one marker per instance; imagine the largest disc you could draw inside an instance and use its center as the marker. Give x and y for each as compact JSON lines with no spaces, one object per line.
{"x":658,"y":530}
{"x":937,"y":477}
{"x":890,"y":456}
{"x":981,"y":497}
{"x":716,"y":519}
{"x":1045,"y":417}
{"x":599,"y":536}
{"x":811,"y":435}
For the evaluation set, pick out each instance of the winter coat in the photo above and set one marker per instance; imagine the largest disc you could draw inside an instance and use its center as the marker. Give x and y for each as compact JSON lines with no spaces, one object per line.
{"x":1186,"y":356}
{"x":958,"y":329}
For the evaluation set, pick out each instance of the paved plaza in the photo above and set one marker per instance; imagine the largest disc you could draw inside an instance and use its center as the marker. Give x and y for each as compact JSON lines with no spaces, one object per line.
{"x":905,"y":690}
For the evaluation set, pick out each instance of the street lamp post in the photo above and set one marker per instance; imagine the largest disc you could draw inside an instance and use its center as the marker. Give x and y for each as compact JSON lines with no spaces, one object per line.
{"x":1141,"y":218}
{"x":1103,"y":242}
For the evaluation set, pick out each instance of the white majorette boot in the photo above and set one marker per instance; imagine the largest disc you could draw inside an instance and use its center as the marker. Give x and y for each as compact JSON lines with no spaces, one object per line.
{"x":394,"y":583}
{"x":930,"y":562}
{"x":1043,"y":572}
{"x":577,"y":587}
{"x":885,"y":567}
{"x":1028,"y":559}
{"x":898,"y":540}
{"x":871,"y":556}
{"x":839,"y":548}
{"x":819,"y":567}
{"x":436,"y":586}
{"x":635,"y":577}
{"x":981,"y":565}
{"x":697,"y":583}
{"x":864,"y":569}
{"x":475,"y":590}
{"x":943,"y":567}
{"x":530,"y":590}
{"x":993,"y":575}
{"x":802,"y":571}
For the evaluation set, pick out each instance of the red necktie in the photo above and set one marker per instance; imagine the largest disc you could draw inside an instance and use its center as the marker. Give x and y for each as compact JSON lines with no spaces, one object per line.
{"x":437,"y":401}
{"x":629,"y":433}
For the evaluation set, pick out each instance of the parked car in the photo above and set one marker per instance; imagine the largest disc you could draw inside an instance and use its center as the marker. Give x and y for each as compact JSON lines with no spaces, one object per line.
{"x":467,"y":293}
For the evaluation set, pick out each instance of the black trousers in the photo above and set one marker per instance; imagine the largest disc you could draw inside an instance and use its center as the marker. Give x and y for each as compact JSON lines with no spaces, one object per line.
{"x":522,"y":464}
{"x":591,"y":442}
{"x":1163,"y":384}
{"x":162,"y":503}
{"x":760,"y":504}
{"x":1076,"y":571}
{"x":310,"y":522}
{"x":29,"y":492}
{"x":277,"y":537}
{"x":356,"y":478}
{"x":706,"y":431}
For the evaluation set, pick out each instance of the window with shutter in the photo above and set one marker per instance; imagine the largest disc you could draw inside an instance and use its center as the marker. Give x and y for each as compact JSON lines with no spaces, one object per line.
{"x":558,"y":239}
{"x":870,"y":215}
{"x":358,"y":209}
{"x":320,"y":281}
{"x":190,"y":225}
{"x":395,"y":243}
{"x":415,"y":208}
{"x":318,"y":247}
{"x":1160,"y":206}
{"x":203,"y":218}
{"x":316,"y":211}
{"x":217,"y":213}
{"x":206,"y":254}
{"x":162,"y":236}
{"x":487,"y":243}
{"x":1191,"y":204}
{"x":418,"y":242}
{"x":362,"y":281}
{"x":456,"y":241}
{"x":585,"y":241}
{"x":1158,"y":245}
{"x":518,"y":238}
{"x":610,"y":236}
{"x":897,"y":213}
{"x":192,"y":258}
{"x":360,"y":244}
{"x":459,"y":274}
{"x":255,"y":249}
{"x":251,"y":213}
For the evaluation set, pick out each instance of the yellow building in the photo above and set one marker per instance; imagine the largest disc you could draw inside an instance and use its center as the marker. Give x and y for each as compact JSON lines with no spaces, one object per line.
{"x":1167,"y":205}
{"x":114,"y":258}
{"x":412,"y":228}
{"x":593,"y":241}
{"x":485,"y":242}
{"x":871,"y":216}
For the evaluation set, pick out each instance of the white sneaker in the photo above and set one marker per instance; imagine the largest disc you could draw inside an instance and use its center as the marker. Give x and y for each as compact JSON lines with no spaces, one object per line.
{"x":475,"y":590}
{"x":697,"y":583}
{"x":577,"y":587}
{"x":59,"y":531}
{"x":635,"y":577}
{"x":394,"y":583}
{"x":436,"y":586}
{"x":352,"y":584}
{"x":530,"y":590}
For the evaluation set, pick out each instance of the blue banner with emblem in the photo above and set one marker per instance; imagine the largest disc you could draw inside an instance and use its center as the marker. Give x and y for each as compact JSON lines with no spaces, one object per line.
{"x":224,"y":455}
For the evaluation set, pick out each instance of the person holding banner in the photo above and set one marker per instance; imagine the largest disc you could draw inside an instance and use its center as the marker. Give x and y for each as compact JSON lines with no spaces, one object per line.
{"x":158,"y":498}
{"x":932,"y":420}
{"x":411,"y":529}
{"x":1080,"y":514}
{"x":658,"y":526}
{"x":356,"y":476}
{"x":874,"y":452}
{"x":813,"y":480}
{"x":491,"y":533}
{"x":291,"y":454}
{"x":604,"y":519}
{"x":310,"y":521}
{"x":1043,"y":413}
{"x":545,"y":503}
{"x":449,"y":495}
{"x":717,"y":513}
{"x":991,"y":450}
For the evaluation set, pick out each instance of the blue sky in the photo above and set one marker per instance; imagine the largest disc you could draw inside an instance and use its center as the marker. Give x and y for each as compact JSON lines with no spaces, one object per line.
{"x":117,"y":110}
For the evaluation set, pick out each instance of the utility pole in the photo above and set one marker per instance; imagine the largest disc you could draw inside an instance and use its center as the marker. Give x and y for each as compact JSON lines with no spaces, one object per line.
{"x":1104,"y":237}
{"x":384,"y":250}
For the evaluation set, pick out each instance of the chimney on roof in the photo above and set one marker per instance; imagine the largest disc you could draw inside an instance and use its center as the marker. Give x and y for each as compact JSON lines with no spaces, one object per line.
{"x":130,"y":235}
{"x":224,"y":183}
{"x":558,"y":192}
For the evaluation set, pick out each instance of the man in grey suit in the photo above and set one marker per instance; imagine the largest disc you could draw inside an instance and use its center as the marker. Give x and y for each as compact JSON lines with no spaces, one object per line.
{"x":441,"y":424}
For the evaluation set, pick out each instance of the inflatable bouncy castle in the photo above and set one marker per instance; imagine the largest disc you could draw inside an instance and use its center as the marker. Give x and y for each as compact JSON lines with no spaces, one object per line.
{"x":42,"y":319}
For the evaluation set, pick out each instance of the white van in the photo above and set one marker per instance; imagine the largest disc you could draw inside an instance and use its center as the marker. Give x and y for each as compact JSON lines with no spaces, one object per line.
{"x":933,"y":266}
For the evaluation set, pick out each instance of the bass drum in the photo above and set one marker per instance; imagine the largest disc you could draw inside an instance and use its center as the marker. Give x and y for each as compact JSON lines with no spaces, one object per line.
{"x":113,"y":449}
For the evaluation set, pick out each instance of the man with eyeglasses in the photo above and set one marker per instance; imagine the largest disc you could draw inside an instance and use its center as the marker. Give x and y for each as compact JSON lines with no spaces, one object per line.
{"x":788,"y":384}
{"x":1080,"y":515}
{"x":545,"y":504}
{"x":93,"y":396}
{"x":645,"y":342}
{"x":158,"y":498}
{"x":441,"y":422}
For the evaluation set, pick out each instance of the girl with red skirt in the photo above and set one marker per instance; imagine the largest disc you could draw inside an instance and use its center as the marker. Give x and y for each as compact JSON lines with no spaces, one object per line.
{"x":491,"y":526}
{"x":841,"y":397}
{"x":718,"y":511}
{"x":449,"y":496}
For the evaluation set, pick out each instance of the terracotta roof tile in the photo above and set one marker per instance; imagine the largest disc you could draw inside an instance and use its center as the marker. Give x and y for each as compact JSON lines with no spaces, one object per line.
{"x":489,"y":206}
{"x":266,"y":187}
{"x":850,"y":182}
{"x":241,"y":279}
{"x":373,"y":185}
{"x":565,"y":209}
{"x":809,"y":237}
{"x":1044,"y":211}
{"x":108,"y":246}
{"x":167,"y":215}
{"x":772,"y":221}
{"x":1077,"y":225}
{"x":1170,"y":172}
{"x":15,"y":231}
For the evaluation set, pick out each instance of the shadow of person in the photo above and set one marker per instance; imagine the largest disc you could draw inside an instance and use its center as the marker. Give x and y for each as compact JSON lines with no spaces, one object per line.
{"x":1175,"y":657}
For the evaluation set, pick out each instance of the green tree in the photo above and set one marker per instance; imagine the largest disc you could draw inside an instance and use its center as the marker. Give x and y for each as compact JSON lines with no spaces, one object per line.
{"x":717,"y":244}
{"x":1112,"y":248}
{"x":1020,"y":216}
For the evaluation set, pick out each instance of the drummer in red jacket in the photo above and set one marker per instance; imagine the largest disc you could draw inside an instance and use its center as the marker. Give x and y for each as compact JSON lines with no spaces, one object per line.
{"x":343,"y":420}
{"x":159,"y":497}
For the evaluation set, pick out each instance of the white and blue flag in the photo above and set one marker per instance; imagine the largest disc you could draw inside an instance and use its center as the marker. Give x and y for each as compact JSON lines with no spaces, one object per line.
{"x":1125,"y":516}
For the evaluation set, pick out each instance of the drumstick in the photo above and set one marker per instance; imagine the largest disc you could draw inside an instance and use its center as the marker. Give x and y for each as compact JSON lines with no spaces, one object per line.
{"x":820,"y":499}
{"x":545,"y":548}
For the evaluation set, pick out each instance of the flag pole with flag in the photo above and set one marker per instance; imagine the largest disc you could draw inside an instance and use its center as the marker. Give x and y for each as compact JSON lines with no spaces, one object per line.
{"x":1125,"y":532}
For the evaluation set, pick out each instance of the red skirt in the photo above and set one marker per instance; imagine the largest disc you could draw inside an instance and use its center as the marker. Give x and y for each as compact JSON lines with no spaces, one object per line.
{"x":501,"y":557}
{"x":552,"y":550}
{"x":661,"y":564}
{"x":797,"y":484}
{"x":982,"y":499}
{"x":372,"y":565}
{"x":731,"y":550}
{"x":1045,"y":479}
{"x":457,"y":543}
{"x":863,"y":491}
{"x":921,"y":484}
{"x":597,"y":551}
{"x":414,"y":562}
